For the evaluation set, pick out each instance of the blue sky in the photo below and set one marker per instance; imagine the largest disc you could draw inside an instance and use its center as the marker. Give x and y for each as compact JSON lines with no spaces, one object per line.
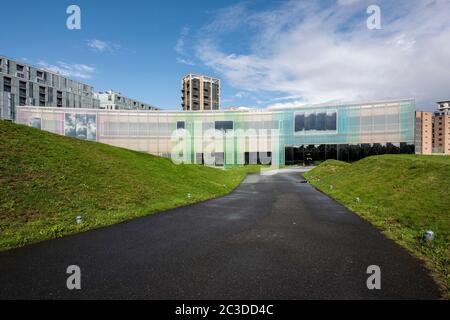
{"x":141,"y":60}
{"x":267,"y":53}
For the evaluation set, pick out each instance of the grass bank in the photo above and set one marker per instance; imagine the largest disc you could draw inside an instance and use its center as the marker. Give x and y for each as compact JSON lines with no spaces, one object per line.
{"x":47,"y":180}
{"x":403,"y":195}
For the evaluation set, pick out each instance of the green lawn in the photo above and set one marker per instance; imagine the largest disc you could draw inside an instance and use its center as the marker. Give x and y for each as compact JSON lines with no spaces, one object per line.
{"x":47,"y":180}
{"x":403,"y":195}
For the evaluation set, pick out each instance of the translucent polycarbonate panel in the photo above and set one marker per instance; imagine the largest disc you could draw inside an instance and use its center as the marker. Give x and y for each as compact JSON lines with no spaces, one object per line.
{"x":254,"y":131}
{"x":35,"y":123}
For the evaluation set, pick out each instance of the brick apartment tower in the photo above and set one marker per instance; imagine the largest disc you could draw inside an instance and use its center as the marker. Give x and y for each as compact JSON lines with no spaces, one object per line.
{"x":424,"y":132}
{"x":200,"y":93}
{"x":441,"y":137}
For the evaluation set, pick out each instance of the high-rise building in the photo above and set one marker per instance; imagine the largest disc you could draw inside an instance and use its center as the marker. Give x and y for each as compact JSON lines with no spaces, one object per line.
{"x":432,"y":132}
{"x":441,"y":142}
{"x":111,"y":100}
{"x":200,"y":93}
{"x":24,"y":85}
{"x":424,"y":132}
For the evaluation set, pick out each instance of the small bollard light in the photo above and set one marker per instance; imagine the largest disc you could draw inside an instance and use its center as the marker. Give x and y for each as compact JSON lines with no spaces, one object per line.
{"x":79,"y":219}
{"x":189,"y":195}
{"x":428,"y":236}
{"x":358,"y":199}
{"x":331,"y":187}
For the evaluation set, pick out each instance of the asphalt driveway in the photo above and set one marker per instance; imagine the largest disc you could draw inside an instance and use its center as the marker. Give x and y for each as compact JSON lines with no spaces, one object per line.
{"x":272,"y":238}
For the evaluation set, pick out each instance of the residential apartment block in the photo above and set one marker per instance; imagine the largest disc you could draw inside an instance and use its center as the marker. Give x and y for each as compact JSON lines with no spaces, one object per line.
{"x":24,"y":85}
{"x":424,"y":132}
{"x":200,"y":93}
{"x":441,"y":137}
{"x":432,"y":133}
{"x":112,"y":100}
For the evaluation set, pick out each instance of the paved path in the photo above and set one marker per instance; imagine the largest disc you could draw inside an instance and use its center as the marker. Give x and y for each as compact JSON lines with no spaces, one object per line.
{"x":272,"y":238}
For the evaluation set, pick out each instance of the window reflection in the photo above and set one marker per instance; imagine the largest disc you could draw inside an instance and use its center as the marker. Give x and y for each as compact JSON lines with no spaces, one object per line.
{"x":320,"y":122}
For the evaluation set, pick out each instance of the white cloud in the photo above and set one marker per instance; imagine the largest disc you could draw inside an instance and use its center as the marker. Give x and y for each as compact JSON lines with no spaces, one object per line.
{"x":185,"y":61}
{"x":179,"y":46}
{"x":102,"y":46}
{"x":347,"y":2}
{"x":82,"y":71}
{"x":318,"y":54}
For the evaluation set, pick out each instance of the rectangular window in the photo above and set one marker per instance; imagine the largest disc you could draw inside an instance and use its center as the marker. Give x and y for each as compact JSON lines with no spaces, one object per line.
{"x":308,"y":122}
{"x":300,"y":122}
{"x":22,"y":101}
{"x":321,"y":121}
{"x":80,"y":126}
{"x":35,"y":123}
{"x":7,"y":84}
{"x":180,"y":125}
{"x":331,"y":122}
{"x":224,"y":125}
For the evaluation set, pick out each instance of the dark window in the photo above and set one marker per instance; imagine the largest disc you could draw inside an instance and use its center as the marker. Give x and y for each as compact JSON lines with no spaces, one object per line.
{"x":180,"y":125}
{"x":321,"y":121}
{"x":22,"y":91}
{"x":7,"y":84}
{"x":224,"y":125}
{"x":331,"y":122}
{"x":299,"y":122}
{"x":19,"y":68}
{"x":312,"y":121}
{"x":22,"y":101}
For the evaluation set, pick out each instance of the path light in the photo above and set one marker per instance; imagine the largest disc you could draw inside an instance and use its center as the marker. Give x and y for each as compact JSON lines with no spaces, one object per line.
{"x":189,"y":195}
{"x":331,"y":187}
{"x":79,"y":219}
{"x":428,"y":236}
{"x":358,"y":199}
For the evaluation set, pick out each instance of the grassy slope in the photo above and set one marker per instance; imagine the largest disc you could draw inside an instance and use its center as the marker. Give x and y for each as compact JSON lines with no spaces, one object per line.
{"x":403,"y":195}
{"x":47,"y":180}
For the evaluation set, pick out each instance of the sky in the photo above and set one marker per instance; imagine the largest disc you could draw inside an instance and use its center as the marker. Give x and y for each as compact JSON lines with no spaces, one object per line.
{"x":266,"y":53}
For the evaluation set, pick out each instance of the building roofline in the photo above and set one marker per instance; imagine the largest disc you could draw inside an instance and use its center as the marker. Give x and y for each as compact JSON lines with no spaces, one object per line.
{"x":343,"y":104}
{"x":205,"y":112}
{"x":44,"y":69}
{"x":200,"y":76}
{"x":112,"y":92}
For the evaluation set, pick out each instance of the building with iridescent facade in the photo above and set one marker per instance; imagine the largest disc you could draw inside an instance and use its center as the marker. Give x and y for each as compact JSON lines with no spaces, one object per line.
{"x":278,"y":136}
